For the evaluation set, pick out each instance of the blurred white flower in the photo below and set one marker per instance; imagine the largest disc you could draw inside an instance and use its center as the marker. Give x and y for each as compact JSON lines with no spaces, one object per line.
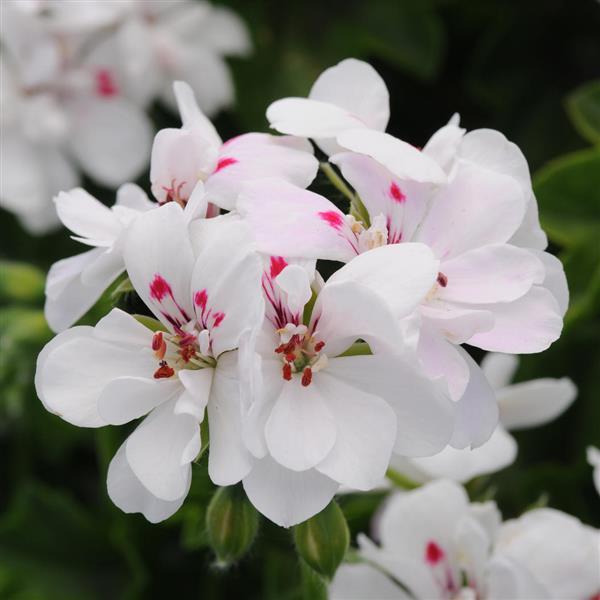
{"x":58,"y":114}
{"x":434,"y":544}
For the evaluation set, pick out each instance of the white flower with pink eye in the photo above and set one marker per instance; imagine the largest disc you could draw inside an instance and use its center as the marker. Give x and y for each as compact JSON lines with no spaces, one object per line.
{"x":434,"y":544}
{"x":208,"y":299}
{"x":320,"y":417}
{"x":349,"y":95}
{"x":195,"y":152}
{"x":521,"y":405}
{"x":60,"y":113}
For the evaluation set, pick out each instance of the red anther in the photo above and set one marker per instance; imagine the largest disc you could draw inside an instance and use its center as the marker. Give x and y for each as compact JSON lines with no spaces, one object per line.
{"x":442,"y":279}
{"x":290,"y":357}
{"x":306,"y":376}
{"x":159,"y":345}
{"x":319,"y":346}
{"x":164,"y":371}
{"x":287,"y":371}
{"x":157,"y":340}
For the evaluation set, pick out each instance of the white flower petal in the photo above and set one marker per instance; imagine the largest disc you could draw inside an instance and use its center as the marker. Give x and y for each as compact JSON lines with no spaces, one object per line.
{"x":156,"y":449}
{"x":499,"y":369}
{"x":359,"y":581}
{"x":128,"y":493}
{"x":287,"y":497}
{"x":301,"y":430}
{"x":366,"y":432}
{"x":536,"y":402}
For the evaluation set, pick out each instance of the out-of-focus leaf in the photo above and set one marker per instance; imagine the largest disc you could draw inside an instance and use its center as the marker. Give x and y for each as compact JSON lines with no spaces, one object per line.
{"x":20,"y":282}
{"x":407,"y":34}
{"x":19,"y":326}
{"x":582,"y":266}
{"x":568,"y":193}
{"x":583,"y":106}
{"x":55,"y":550}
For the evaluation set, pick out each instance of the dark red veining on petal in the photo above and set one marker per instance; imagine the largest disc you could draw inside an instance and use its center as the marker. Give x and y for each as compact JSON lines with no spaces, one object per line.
{"x":396,"y":193}
{"x":332,"y":218}
{"x":105,"y":84}
{"x":278,"y":264}
{"x":442,"y":279}
{"x":433,"y":553}
{"x":225,"y":162}
{"x":159,"y":288}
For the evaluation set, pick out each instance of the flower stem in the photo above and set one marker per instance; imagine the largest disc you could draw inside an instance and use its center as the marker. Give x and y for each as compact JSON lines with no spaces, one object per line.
{"x":400,"y":480}
{"x":357,"y":208}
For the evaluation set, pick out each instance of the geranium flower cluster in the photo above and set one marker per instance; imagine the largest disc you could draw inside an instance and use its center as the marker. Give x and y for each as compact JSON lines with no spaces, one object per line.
{"x":78,"y":77}
{"x":305,"y":385}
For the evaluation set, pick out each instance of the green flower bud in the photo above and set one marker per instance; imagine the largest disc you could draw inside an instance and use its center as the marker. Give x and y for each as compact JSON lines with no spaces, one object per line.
{"x":232,"y":524}
{"x":322,"y":541}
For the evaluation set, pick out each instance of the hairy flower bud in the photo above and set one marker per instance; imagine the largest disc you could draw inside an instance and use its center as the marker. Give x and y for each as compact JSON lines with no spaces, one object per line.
{"x":232,"y":524}
{"x":322,"y":540}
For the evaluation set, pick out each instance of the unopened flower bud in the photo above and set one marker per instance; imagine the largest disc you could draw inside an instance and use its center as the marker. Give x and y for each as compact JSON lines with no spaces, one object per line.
{"x":322,"y":541}
{"x":232,"y":524}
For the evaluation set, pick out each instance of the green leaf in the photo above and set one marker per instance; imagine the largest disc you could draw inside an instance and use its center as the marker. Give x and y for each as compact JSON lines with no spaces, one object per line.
{"x":583,"y":107}
{"x":20,"y":282}
{"x":568,"y":193}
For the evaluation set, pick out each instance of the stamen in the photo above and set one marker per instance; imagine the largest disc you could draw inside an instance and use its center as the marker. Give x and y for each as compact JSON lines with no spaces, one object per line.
{"x":159,"y":345}
{"x":306,"y":376}
{"x":164,"y":371}
{"x":319,"y":346}
{"x":287,"y":372}
{"x":442,"y":279}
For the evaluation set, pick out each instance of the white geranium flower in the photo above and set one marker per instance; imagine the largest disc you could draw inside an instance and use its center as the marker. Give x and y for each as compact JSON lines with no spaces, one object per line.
{"x":195,"y":152}
{"x":120,"y":370}
{"x":321,"y":418}
{"x":435,"y":544}
{"x":522,"y":405}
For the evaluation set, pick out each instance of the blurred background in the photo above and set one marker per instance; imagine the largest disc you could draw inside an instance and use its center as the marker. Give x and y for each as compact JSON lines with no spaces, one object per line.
{"x":529,"y":69}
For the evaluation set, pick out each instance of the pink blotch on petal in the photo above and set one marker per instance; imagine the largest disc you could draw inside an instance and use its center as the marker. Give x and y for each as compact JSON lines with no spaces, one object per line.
{"x":200,"y":299}
{"x":433,"y":553}
{"x":396,"y":193}
{"x":278,"y":264}
{"x":105,"y":84}
{"x":218,"y":318}
{"x":159,"y":288}
{"x":225,"y":162}
{"x":332,"y":218}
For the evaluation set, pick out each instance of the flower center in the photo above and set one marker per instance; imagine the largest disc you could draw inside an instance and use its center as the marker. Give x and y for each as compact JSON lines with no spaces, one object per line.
{"x":300,"y":352}
{"x":187,"y":348}
{"x":368,"y":238}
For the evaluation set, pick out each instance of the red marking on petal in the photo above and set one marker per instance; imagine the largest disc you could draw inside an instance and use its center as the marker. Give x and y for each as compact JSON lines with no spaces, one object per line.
{"x":442,"y":279}
{"x":159,"y":288}
{"x":278,"y":264}
{"x":306,"y":376}
{"x":287,"y":371}
{"x":218,"y":318}
{"x":105,"y":84}
{"x":200,"y":299}
{"x":396,"y":193}
{"x":225,"y":162}
{"x":433,"y":553}
{"x":164,"y":371}
{"x":332,"y":218}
